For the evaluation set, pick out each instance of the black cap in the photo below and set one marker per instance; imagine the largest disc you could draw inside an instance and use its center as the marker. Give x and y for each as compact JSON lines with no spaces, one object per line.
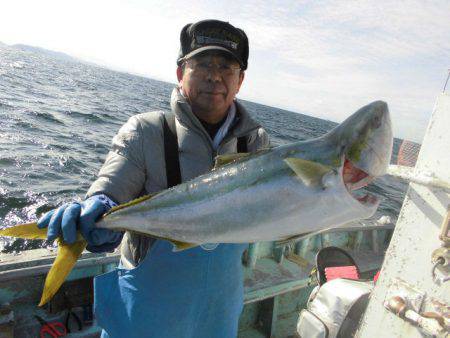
{"x":213,"y":35}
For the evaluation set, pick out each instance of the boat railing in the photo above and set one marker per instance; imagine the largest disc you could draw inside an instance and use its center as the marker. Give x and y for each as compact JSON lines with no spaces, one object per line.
{"x":38,"y":261}
{"x":286,"y":265}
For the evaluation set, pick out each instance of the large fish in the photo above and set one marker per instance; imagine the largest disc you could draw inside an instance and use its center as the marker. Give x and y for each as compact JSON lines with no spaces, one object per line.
{"x":272,"y":195}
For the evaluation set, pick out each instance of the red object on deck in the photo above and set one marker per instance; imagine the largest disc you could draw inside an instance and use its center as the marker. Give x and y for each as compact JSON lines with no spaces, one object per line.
{"x":375,"y":278}
{"x":349,"y":271}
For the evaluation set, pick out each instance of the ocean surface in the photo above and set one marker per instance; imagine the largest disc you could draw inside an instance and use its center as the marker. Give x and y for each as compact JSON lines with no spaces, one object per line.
{"x":57,"y":119}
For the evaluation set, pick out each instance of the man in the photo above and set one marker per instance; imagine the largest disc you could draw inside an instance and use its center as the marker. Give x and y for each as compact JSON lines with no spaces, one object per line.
{"x":157,"y":292}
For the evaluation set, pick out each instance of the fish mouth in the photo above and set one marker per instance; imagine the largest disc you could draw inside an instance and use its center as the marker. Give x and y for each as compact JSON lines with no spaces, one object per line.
{"x":356,"y":179}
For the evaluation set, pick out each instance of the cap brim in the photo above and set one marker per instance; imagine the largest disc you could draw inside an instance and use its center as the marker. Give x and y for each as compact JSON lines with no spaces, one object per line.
{"x":210,"y":48}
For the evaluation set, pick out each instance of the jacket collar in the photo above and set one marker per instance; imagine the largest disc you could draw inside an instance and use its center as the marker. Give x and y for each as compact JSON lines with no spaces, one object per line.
{"x":242,"y":124}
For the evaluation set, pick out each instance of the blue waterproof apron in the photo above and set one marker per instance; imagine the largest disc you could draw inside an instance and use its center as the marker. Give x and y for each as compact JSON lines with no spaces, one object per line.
{"x":192,"y":293}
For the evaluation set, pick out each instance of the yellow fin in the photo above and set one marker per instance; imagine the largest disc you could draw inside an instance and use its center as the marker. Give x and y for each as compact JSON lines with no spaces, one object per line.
{"x":66,"y":258}
{"x":228,"y":158}
{"x":180,"y":246}
{"x":309,"y":172}
{"x":27,"y":231}
{"x":129,"y":204}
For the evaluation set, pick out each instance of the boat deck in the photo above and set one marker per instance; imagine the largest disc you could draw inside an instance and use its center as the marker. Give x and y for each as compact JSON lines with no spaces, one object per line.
{"x":277,"y":281}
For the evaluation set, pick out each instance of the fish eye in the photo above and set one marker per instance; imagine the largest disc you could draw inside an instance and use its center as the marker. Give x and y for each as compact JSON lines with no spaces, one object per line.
{"x":376,"y":122}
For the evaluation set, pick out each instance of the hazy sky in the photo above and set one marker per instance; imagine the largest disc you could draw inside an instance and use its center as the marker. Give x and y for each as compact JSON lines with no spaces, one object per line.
{"x":322,"y":58}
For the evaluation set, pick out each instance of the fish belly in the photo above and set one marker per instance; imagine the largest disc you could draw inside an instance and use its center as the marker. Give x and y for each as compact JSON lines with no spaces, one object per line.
{"x":271,"y":210}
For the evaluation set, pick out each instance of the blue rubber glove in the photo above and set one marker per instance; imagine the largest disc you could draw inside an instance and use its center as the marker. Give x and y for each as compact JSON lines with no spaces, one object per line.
{"x":66,"y":219}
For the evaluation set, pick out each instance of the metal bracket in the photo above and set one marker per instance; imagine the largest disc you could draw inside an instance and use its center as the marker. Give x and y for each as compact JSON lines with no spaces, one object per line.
{"x":431,"y":324}
{"x":413,"y":297}
{"x":441,"y":262}
{"x":445,"y":229}
{"x":405,"y":302}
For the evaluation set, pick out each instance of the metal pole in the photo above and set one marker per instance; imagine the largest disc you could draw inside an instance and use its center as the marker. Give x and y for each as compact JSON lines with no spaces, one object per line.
{"x":446,"y":81}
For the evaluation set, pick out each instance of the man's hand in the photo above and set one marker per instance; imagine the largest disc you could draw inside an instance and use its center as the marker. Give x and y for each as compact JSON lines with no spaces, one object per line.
{"x":69,"y":218}
{"x":61,"y":220}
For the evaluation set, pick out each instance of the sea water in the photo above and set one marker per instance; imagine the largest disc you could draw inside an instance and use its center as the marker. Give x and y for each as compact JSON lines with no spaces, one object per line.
{"x":57,"y":119}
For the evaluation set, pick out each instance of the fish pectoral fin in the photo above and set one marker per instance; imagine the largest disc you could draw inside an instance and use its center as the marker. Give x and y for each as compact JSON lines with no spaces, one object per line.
{"x":27,"y":231}
{"x":180,"y":246}
{"x":309,"y":172}
{"x":221,"y":160}
{"x":66,"y":258}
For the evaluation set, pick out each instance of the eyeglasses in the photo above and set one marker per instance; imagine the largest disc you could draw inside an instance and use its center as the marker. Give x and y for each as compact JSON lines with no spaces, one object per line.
{"x":203,"y":68}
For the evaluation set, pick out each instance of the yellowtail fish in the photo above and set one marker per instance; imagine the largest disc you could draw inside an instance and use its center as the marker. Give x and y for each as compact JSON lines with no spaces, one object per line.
{"x":275,"y":194}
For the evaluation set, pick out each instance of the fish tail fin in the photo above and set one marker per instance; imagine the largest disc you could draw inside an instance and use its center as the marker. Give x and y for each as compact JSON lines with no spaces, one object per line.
{"x":66,"y":259}
{"x":26,"y":230}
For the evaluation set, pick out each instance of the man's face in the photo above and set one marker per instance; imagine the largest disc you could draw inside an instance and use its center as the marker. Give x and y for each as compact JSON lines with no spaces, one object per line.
{"x":210,"y":81}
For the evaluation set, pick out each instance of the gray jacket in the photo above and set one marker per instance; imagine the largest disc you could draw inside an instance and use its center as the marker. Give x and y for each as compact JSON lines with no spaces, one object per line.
{"x":136,"y":166}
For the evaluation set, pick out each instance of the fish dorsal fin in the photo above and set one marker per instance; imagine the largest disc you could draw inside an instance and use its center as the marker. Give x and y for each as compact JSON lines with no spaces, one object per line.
{"x":222,"y":160}
{"x":229,"y":158}
{"x":309,"y":172}
{"x":129,"y":204}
